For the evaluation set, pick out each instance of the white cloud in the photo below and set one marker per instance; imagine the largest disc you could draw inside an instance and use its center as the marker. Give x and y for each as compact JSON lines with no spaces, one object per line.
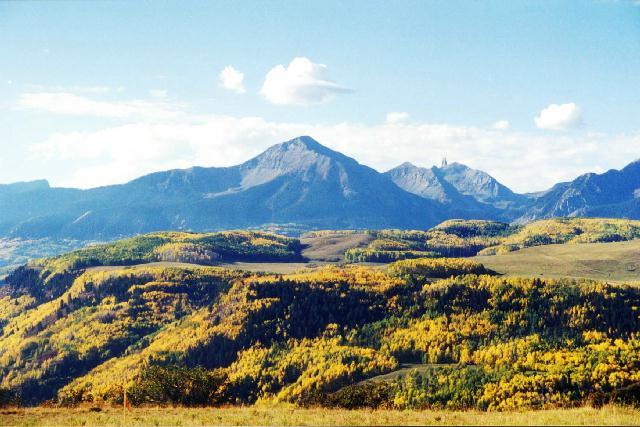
{"x":525,"y":162}
{"x":501,"y":125}
{"x":395,"y":117}
{"x":71,"y":104}
{"x":301,"y":83}
{"x":232,"y":79}
{"x":559,"y":117}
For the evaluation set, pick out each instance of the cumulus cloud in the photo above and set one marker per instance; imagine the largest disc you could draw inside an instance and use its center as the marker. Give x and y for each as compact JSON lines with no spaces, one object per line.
{"x":232,"y":79}
{"x":395,"y":117}
{"x":301,"y":83}
{"x":75,"y":105}
{"x":559,"y":117}
{"x":501,"y":125}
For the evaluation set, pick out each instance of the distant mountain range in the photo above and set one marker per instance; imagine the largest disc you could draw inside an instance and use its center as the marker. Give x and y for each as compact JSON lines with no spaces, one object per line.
{"x":305,"y":183}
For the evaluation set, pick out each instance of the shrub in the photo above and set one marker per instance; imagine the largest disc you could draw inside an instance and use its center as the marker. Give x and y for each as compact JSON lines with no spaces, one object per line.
{"x":177,"y":385}
{"x":422,"y":269}
{"x":370,"y":394}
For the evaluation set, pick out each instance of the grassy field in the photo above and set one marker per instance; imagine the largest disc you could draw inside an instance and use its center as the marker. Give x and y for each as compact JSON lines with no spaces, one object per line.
{"x":405,"y":368}
{"x":317,"y":250}
{"x":271,"y":416}
{"x":331,"y":247}
{"x":614,"y":262}
{"x":617,"y":262}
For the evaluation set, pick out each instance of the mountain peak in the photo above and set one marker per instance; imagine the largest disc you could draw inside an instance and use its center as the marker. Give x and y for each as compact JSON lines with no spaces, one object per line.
{"x":301,"y":155}
{"x":454,"y":166}
{"x":406,"y":165}
{"x":452,"y":183}
{"x":307,"y":143}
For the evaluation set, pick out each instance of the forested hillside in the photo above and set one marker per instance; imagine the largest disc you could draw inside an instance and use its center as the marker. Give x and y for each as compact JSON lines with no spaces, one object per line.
{"x":189,"y":334}
{"x":464,"y":238}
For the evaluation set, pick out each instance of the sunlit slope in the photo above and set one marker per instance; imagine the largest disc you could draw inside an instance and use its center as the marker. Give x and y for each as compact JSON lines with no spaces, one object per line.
{"x":618,"y":261}
{"x":138,"y":315}
{"x":465,"y":238}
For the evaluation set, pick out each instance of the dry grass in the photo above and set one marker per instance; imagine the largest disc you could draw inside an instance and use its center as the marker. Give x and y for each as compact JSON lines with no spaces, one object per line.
{"x":617,"y":262}
{"x":331,"y":247}
{"x":285,"y":416}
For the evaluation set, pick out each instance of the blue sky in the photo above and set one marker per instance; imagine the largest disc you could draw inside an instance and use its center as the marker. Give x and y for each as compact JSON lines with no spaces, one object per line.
{"x":531,"y":91}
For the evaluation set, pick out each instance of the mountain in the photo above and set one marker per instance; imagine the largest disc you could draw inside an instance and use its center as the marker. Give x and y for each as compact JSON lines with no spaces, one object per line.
{"x":299,"y":181}
{"x":464,"y":189}
{"x":430,"y":183}
{"x":302,"y":184}
{"x":615,"y":193}
{"x":23,"y":187}
{"x":480,"y":185}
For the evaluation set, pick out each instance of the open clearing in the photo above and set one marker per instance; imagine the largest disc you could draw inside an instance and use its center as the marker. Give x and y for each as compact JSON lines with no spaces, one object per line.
{"x":613,"y":262}
{"x":618,"y":262}
{"x":405,"y":368}
{"x":331,"y":247}
{"x":317,"y":251}
{"x":288,"y":416}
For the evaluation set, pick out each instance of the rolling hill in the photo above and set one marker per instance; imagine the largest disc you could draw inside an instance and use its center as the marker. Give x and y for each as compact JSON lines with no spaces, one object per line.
{"x":186,"y":334}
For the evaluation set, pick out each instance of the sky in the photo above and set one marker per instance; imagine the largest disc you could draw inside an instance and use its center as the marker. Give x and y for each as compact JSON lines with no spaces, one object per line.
{"x":533,"y":92}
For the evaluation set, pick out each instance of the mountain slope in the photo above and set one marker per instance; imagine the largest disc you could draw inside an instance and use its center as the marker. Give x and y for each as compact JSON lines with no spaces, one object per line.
{"x":303,"y":184}
{"x":297,"y":181}
{"x":469,"y":192}
{"x":22,"y":187}
{"x":615,"y":193}
{"x":480,"y":185}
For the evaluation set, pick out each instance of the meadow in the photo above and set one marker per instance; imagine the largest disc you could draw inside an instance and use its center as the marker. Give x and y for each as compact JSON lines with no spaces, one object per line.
{"x":290,"y":416}
{"x":617,"y":261}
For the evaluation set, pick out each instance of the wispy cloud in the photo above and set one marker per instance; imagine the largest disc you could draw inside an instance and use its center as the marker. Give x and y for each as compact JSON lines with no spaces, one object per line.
{"x":89,"y":90}
{"x":159,"y":93}
{"x":501,"y":125}
{"x":395,"y":117}
{"x":71,"y":104}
